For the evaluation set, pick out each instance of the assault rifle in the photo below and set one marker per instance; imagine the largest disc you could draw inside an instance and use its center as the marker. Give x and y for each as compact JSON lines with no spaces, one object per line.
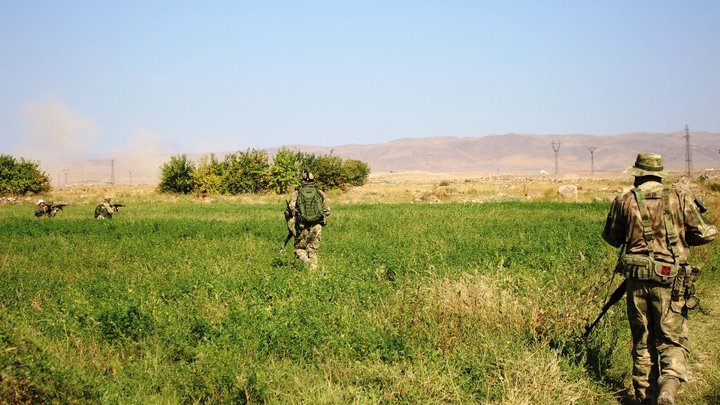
{"x":116,"y":206}
{"x":290,"y":220}
{"x":614,"y":298}
{"x":287,"y":239}
{"x":58,"y":207}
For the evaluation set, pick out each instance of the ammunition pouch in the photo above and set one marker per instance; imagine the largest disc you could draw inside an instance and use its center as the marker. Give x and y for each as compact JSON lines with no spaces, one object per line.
{"x":643,"y":267}
{"x":684,"y":286}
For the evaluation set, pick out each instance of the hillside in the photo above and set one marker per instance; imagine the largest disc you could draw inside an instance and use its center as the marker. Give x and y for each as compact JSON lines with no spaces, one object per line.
{"x":509,"y":153}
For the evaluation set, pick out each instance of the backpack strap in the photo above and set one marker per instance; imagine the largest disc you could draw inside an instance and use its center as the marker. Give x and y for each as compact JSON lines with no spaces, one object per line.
{"x":669,"y":225}
{"x":645,"y":216}
{"x":640,"y":197}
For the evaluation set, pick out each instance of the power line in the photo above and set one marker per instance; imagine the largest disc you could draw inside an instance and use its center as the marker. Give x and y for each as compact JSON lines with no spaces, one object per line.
{"x":556,"y":149}
{"x":688,"y":157}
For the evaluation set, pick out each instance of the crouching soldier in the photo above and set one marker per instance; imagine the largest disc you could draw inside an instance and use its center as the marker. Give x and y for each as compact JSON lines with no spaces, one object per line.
{"x":107,"y":208}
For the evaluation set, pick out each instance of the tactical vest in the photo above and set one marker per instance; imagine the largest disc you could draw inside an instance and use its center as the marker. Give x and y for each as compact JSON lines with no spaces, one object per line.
{"x":647,"y":267}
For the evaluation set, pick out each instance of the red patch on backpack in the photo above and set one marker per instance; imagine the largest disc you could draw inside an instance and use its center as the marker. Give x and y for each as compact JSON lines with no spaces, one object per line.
{"x":665,"y":270}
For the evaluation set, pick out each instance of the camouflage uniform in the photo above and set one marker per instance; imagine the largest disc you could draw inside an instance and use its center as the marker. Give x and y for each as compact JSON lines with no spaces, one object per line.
{"x":42,"y":209}
{"x":307,"y":236}
{"x":658,"y":319}
{"x":46,"y":209}
{"x":105,"y":209}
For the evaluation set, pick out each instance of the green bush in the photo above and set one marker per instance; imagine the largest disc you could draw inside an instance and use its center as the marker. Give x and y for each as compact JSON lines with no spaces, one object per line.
{"x":284,"y":170}
{"x":356,"y":172}
{"x":250,"y":172}
{"x":19,"y":177}
{"x":207,"y":177}
{"x":177,"y":175}
{"x":245,"y":172}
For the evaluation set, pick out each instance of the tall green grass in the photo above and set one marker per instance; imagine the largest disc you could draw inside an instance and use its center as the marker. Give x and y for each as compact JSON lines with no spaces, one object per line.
{"x":192,"y":302}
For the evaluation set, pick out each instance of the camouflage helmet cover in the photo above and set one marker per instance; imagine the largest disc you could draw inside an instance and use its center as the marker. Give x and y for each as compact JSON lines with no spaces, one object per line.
{"x":307,"y":175}
{"x":647,"y":164}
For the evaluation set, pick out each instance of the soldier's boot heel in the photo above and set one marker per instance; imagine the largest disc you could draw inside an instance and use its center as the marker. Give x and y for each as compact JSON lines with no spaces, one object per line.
{"x":668,"y":391}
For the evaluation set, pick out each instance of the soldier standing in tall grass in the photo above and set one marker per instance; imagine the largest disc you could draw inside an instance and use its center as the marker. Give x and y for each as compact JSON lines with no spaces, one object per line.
{"x":656,"y":225}
{"x":309,"y":209}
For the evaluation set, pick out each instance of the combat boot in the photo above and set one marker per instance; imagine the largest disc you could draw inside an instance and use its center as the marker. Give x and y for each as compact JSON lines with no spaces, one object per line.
{"x":668,"y":391}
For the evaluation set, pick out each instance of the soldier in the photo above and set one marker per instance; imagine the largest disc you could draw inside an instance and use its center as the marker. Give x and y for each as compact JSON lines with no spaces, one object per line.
{"x":656,"y":225}
{"x":308,"y":208}
{"x":106,"y":208}
{"x":48,"y":209}
{"x":42,"y":209}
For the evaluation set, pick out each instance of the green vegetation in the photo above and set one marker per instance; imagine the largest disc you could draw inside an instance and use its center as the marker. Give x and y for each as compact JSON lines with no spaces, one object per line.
{"x":251,"y":172}
{"x":413,"y":303}
{"x":19,"y":177}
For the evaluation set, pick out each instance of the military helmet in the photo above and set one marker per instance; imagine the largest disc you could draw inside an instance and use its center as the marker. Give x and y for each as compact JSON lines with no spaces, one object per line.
{"x":647,"y":164}
{"x":307,"y":175}
{"x":107,"y":198}
{"x":40,"y":201}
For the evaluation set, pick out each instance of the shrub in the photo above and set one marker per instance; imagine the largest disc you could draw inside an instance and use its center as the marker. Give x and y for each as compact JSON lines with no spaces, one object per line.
{"x":356,"y":172}
{"x":21,"y":177}
{"x":207,"y":177}
{"x":245,"y":172}
{"x":284,"y":171}
{"x":177,"y":175}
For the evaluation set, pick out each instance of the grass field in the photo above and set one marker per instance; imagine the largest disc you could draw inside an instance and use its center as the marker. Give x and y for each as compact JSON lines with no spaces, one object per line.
{"x":178,"y":300}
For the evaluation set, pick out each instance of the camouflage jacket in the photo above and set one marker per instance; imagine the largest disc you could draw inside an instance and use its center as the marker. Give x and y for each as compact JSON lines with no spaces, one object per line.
{"x":624,"y":223}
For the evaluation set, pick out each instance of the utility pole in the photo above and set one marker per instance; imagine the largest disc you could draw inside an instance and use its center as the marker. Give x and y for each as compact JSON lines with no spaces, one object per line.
{"x":688,"y":157}
{"x":556,"y":149}
{"x":112,"y":172}
{"x":65,"y":171}
{"x":130,"y":177}
{"x":592,"y":159}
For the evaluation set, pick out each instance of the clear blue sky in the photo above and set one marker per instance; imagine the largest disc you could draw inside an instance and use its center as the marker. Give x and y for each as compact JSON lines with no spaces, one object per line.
{"x":99,"y":77}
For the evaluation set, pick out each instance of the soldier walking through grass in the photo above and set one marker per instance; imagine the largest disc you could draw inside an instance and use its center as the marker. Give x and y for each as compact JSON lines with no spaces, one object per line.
{"x":309,"y":209}
{"x":656,"y":225}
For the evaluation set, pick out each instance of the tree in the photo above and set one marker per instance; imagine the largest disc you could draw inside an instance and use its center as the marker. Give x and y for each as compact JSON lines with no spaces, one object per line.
{"x":207,"y":177}
{"x":177,"y":175}
{"x":18,"y":177}
{"x":245,"y":172}
{"x":356,"y":172}
{"x":285,"y":169}
{"x":328,"y":171}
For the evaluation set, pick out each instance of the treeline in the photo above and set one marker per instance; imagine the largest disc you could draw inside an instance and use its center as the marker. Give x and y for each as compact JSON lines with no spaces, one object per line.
{"x":20,"y":176}
{"x":252,"y":171}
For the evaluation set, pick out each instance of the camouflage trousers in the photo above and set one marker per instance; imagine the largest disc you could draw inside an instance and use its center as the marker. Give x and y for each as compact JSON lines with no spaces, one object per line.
{"x":307,"y":242}
{"x":660,"y":333}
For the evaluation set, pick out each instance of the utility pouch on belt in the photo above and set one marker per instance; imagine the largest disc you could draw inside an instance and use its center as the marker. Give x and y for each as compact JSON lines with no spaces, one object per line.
{"x":642,"y":267}
{"x":691,"y":300}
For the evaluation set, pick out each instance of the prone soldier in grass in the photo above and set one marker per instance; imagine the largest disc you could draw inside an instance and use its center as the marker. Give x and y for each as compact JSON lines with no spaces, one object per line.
{"x":48,"y":209}
{"x":307,"y":211}
{"x":656,"y":225}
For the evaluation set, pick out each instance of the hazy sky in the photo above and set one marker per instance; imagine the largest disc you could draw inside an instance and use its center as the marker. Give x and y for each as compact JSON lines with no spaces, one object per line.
{"x":101,"y":77}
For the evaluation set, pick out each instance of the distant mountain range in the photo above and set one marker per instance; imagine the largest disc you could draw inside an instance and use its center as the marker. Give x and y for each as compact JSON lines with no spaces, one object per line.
{"x":509,"y":153}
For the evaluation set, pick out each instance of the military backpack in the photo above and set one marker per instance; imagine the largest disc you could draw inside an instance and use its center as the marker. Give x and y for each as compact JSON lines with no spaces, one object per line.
{"x":309,"y":205}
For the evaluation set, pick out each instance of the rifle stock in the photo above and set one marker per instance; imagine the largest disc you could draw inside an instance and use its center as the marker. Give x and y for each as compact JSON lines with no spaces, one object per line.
{"x":614,"y":298}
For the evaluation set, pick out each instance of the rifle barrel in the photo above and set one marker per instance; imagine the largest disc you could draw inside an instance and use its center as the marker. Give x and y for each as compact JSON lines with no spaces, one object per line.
{"x":614,"y":298}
